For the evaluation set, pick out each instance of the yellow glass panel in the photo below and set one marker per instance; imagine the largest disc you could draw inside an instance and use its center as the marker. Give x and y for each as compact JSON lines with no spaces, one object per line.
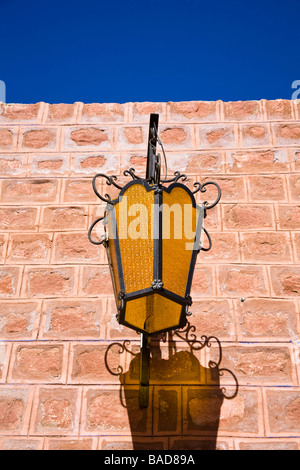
{"x":179,"y":227}
{"x":153,"y":313}
{"x":135,"y":230}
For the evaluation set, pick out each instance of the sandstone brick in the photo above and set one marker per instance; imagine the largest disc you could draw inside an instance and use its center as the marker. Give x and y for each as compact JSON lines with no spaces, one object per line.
{"x":91,"y":163}
{"x":60,"y":218}
{"x":88,"y":137}
{"x":39,"y":138}
{"x":98,"y":418}
{"x":35,"y":190}
{"x":278,"y":110}
{"x":8,"y":139}
{"x":3,"y":245}
{"x":75,"y":247}
{"x":287,"y":134}
{"x":193,"y":111}
{"x":225,"y":247}
{"x":61,"y":113}
{"x":17,"y":443}
{"x":180,"y":366}
{"x":17,"y":218}
{"x":109,"y":443}
{"x":294,"y":187}
{"x":203,"y":282}
{"x":296,"y":160}
{"x":196,"y":162}
{"x":248,"y":217}
{"x":102,"y":112}
{"x":133,"y":137}
{"x":19,"y":320}
{"x":167,"y":411}
{"x":5,"y":353}
{"x":270,"y":247}
{"x":96,"y":281}
{"x":56,"y":411}
{"x":142,"y":111}
{"x":266,"y":319}
{"x":15,"y":406}
{"x":78,"y":190}
{"x":89,"y":364}
{"x":206,"y":412}
{"x":285,"y":281}
{"x":12,"y":165}
{"x":255,"y":135}
{"x":267,"y":188}
{"x":48,"y":165}
{"x":232,"y":188}
{"x":193,"y":443}
{"x":29,"y":248}
{"x":213,"y":317}
{"x":267,"y":444}
{"x":216,"y":136}
{"x":10,"y":278}
{"x":289,"y":217}
{"x":72,"y":319}
{"x":258,"y":161}
{"x":283,"y":409}
{"x":242,"y":111}
{"x":49,"y":282}
{"x":296,"y":244}
{"x":176,"y":137}
{"x":32,"y":363}
{"x":263,"y":364}
{"x":21,"y":113}
{"x":64,"y":443}
{"x":242,"y":281}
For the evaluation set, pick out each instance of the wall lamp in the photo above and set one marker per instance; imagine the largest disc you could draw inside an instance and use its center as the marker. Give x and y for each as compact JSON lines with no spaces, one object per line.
{"x":153,"y":233}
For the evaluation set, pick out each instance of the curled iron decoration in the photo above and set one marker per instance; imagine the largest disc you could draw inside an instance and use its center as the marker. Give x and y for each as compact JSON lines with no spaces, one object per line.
{"x":131,"y":172}
{"x":209,"y":241}
{"x":202,"y":188}
{"x":103,"y":240}
{"x":177,"y":177}
{"x":110,"y":180}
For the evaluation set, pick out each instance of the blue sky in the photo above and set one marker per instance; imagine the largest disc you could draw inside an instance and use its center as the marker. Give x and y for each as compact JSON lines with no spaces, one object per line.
{"x":160,"y":50}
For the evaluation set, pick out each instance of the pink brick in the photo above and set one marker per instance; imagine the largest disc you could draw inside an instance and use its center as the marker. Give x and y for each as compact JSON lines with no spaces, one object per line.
{"x":102,"y":112}
{"x":217,"y":136}
{"x":56,"y":411}
{"x":193,"y":111}
{"x":17,"y":113}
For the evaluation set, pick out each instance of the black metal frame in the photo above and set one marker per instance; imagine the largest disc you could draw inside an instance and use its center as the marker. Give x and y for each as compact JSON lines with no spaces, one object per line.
{"x":152,"y":182}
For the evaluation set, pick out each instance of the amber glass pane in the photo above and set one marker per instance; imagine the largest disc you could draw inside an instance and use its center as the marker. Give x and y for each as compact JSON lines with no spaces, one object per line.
{"x":179,"y":224}
{"x":133,"y":215}
{"x":153,"y":313}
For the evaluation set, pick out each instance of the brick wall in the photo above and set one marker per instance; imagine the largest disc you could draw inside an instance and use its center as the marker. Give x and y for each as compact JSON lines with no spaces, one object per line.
{"x":57,"y":314}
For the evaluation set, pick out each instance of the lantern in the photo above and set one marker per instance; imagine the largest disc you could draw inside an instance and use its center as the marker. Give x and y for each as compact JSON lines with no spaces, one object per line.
{"x":153,"y":233}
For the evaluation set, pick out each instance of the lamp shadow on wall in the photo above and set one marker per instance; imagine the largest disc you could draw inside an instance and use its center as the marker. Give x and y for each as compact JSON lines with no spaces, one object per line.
{"x":185,"y":397}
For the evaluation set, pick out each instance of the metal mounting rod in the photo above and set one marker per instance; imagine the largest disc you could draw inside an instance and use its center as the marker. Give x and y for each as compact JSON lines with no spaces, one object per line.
{"x":152,"y":141}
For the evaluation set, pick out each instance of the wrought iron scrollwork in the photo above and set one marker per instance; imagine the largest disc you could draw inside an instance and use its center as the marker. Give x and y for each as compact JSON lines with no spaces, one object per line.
{"x":103,"y":240}
{"x":110,"y":180}
{"x":202,"y":188}
{"x":131,"y":172}
{"x":177,"y":177}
